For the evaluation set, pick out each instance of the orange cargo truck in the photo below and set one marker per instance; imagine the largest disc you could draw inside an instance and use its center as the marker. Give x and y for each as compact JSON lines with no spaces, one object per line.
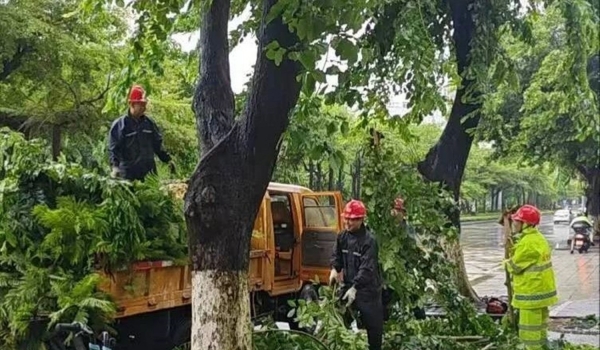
{"x":292,"y":241}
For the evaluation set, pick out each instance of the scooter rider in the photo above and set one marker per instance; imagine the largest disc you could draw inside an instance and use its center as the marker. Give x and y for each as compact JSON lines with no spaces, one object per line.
{"x":582,"y":221}
{"x":355,"y":260}
{"x":533,"y":279}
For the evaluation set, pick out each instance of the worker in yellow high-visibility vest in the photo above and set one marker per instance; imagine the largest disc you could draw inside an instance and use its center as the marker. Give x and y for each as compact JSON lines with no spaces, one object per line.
{"x":534,"y":286}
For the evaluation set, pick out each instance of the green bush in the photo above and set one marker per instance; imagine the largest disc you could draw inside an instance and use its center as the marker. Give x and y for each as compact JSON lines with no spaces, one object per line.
{"x":60,"y":223}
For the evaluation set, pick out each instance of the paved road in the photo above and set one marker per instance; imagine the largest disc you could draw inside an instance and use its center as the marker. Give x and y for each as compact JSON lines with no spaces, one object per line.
{"x":578,"y":275}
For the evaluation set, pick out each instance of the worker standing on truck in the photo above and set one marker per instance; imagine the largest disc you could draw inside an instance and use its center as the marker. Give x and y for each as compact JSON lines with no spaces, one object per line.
{"x":534,"y":286}
{"x":134,"y":139}
{"x":355,"y":260}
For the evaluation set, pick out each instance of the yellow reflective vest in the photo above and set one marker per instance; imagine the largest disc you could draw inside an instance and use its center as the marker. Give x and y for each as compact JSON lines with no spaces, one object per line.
{"x":533,"y":280}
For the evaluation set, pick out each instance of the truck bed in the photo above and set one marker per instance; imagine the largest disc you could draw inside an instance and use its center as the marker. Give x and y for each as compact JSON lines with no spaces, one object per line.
{"x":149,"y":286}
{"x":157,"y":285}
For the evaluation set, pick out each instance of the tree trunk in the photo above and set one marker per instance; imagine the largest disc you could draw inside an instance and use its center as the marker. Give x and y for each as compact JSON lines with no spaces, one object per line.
{"x":237,"y":162}
{"x":592,"y":194}
{"x":311,"y":174}
{"x":319,"y":184}
{"x":340,"y":179}
{"x":446,"y":160}
{"x":331,"y":180}
{"x":356,"y":177}
{"x":56,"y":141}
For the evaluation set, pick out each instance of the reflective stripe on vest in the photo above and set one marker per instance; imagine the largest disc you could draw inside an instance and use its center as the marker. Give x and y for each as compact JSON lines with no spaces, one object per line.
{"x":535,"y":297}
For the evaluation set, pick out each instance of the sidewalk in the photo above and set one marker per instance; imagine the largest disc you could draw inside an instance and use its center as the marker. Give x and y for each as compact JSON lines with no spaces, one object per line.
{"x":577,"y":279}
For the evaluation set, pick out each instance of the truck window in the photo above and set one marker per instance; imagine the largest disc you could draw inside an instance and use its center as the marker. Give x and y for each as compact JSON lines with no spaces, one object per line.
{"x":320,"y":212}
{"x":283,"y":222}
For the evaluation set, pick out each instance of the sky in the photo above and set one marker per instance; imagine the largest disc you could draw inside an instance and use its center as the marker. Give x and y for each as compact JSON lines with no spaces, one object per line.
{"x":243,"y":57}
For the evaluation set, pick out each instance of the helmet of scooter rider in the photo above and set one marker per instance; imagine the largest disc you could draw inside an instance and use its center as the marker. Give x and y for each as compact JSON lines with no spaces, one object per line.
{"x":527,"y":214}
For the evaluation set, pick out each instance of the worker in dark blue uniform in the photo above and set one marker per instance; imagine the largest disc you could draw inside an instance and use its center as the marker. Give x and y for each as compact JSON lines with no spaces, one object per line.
{"x":355,"y":264}
{"x":134,"y":139}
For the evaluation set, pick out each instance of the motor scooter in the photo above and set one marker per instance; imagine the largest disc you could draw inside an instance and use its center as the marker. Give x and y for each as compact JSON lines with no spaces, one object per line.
{"x":581,"y":239}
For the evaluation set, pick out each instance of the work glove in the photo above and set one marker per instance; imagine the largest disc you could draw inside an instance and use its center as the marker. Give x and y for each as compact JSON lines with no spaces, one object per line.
{"x":350,"y":296}
{"x":114,"y":172}
{"x":334,"y":276}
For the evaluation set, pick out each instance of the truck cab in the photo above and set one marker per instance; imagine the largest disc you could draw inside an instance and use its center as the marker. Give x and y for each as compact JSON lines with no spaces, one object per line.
{"x":292,"y":241}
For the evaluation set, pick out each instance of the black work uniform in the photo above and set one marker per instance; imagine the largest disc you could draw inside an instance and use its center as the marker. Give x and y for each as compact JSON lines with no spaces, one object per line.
{"x":356,"y":253}
{"x":132,"y":144}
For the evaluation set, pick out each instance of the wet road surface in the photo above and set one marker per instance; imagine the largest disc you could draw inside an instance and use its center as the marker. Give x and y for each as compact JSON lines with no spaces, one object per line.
{"x":577,"y":275}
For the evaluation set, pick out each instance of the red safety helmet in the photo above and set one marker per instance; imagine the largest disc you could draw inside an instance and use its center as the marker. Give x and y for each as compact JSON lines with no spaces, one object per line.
{"x":527,"y":214}
{"x":399,"y":203}
{"x":355,"y":209}
{"x":137,"y":94}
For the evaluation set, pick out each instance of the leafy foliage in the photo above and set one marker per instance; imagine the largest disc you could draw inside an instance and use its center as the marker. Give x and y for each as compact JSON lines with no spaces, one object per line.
{"x":61,"y":223}
{"x":555,"y":96}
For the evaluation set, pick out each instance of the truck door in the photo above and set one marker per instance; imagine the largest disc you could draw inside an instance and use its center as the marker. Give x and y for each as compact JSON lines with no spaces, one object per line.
{"x":320,"y":223}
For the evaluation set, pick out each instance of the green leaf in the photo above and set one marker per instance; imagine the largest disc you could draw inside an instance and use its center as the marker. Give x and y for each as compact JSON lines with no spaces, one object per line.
{"x":347,"y":50}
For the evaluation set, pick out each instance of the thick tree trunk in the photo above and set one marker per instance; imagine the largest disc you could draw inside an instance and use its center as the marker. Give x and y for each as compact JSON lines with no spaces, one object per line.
{"x":238,"y":159}
{"x":234,"y":285}
{"x":445,"y":162}
{"x":592,"y":193}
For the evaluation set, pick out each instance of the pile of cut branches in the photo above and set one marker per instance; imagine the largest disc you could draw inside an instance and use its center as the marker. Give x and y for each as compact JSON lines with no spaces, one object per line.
{"x":61,"y":223}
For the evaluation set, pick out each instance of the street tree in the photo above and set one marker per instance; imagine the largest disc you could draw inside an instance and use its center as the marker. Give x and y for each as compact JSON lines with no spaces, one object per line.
{"x":55,"y":70}
{"x":382,"y":47}
{"x":552,"y":116}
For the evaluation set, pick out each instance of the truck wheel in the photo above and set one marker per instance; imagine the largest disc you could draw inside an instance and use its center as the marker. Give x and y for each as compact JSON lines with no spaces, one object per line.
{"x":181,"y":336}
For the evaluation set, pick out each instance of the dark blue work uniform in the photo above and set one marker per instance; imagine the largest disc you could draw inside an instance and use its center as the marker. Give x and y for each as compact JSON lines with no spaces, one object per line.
{"x":132,"y":144}
{"x":357,"y":254}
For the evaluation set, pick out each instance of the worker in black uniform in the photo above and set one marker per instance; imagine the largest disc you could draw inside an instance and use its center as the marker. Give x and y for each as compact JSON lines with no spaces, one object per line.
{"x":355,"y":265}
{"x":134,"y":139}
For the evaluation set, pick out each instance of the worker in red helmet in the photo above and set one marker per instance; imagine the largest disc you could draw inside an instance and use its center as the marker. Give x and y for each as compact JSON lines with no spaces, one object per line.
{"x":399,"y":213}
{"x":134,"y":139}
{"x":355,"y":264}
{"x":534,"y":285}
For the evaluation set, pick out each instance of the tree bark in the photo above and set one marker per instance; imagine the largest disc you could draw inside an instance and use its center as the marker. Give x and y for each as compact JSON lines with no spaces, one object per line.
{"x":340,"y":179}
{"x":592,"y":193}
{"x":56,"y":141}
{"x":236,"y":165}
{"x":356,"y":177}
{"x":446,"y":160}
{"x":331,"y":180}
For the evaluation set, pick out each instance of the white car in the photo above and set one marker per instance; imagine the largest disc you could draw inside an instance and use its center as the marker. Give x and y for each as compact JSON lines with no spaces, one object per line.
{"x":562,"y":215}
